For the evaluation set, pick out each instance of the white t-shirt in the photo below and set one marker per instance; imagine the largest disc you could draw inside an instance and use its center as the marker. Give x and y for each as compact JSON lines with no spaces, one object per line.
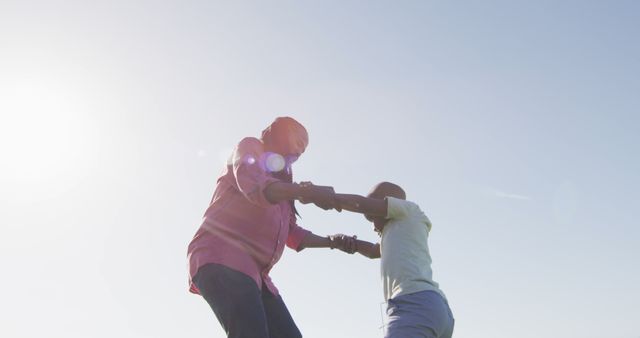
{"x":405,"y":260}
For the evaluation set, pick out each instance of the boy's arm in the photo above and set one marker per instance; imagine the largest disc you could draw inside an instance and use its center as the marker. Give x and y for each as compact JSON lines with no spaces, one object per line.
{"x":338,"y":241}
{"x":363,"y":205}
{"x":368,"y":249}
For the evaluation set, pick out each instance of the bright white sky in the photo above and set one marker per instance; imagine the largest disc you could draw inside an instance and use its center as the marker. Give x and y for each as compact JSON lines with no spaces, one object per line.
{"x":514,"y":124}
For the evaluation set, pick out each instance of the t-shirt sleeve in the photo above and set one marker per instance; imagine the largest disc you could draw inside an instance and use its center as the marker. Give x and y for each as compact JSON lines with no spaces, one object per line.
{"x":398,"y":209}
{"x":401,"y":209}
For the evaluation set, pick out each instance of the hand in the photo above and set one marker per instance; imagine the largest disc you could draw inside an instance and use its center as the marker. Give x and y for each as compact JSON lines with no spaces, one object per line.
{"x":345,"y":243}
{"x":325,"y":197}
{"x":305,"y":185}
{"x":322,"y":196}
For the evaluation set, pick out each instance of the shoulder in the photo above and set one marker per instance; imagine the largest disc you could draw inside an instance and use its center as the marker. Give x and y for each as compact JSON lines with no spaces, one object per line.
{"x":250,"y":145}
{"x":403,"y":209}
{"x":399,"y":208}
{"x":249,"y":150}
{"x":250,"y":142}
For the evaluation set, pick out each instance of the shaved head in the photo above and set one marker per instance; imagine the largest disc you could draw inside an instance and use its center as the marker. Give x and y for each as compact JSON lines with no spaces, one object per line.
{"x":384,"y":189}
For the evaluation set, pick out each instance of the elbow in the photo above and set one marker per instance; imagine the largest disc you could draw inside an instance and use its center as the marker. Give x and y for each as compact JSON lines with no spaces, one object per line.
{"x":374,"y":253}
{"x":370,"y":255}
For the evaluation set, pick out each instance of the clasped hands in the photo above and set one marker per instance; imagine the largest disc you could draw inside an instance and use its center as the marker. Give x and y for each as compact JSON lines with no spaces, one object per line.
{"x":348,"y":244}
{"x":322,"y":196}
{"x":325,"y":198}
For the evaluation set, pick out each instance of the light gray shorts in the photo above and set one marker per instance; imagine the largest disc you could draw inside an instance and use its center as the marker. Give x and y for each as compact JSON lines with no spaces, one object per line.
{"x":424,"y":314}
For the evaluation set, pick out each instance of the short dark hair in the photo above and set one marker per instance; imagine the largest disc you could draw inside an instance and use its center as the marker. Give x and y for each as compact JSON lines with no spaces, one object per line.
{"x":384,"y":189}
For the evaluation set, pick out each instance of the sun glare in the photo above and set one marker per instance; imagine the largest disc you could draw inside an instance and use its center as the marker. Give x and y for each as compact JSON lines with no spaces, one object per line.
{"x":43,"y":134}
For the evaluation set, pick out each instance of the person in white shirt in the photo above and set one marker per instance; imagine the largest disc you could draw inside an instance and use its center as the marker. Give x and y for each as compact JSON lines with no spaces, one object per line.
{"x":416,"y":306}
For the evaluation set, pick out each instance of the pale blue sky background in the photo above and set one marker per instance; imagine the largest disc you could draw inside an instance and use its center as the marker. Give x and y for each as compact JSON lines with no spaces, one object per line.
{"x":514,"y":124}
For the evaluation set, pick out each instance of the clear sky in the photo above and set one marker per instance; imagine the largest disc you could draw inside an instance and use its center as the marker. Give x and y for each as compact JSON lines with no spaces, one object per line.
{"x":514,"y":124}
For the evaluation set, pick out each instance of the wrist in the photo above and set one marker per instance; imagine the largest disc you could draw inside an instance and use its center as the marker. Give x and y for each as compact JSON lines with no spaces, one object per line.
{"x":331,"y":242}
{"x":303,"y":192}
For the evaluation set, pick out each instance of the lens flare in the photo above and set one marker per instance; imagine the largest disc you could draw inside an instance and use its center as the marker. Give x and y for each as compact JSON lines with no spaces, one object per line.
{"x":275,"y":162}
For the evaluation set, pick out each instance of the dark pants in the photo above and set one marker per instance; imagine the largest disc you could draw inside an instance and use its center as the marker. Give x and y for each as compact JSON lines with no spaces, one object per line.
{"x":243,"y":310}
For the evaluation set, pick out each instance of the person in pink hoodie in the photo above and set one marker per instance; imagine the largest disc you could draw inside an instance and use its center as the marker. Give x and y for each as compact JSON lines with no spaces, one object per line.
{"x":250,"y":219}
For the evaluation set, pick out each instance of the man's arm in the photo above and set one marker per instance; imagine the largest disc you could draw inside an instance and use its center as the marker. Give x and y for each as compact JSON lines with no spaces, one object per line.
{"x":363,"y":205}
{"x":262,"y":189}
{"x":321,"y":196}
{"x":368,"y":249}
